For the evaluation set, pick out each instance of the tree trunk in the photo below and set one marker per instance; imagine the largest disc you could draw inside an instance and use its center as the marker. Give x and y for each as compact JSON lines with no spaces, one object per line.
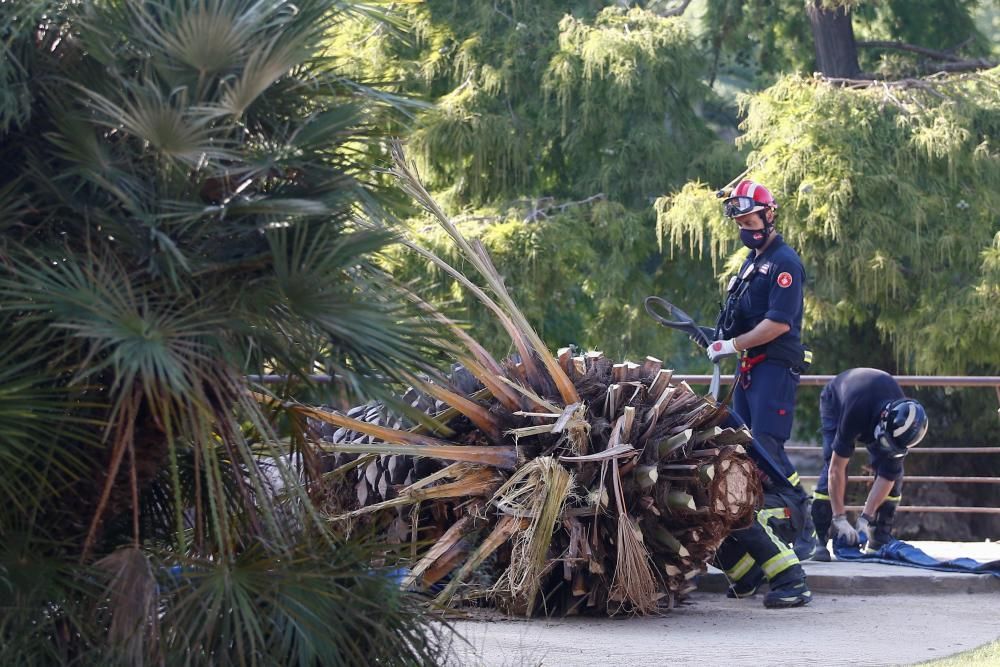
{"x":833,"y":36}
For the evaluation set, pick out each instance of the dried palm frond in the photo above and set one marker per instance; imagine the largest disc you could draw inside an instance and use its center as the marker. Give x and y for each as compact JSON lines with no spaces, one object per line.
{"x":536,"y":492}
{"x":470,"y":482}
{"x":477,"y":255}
{"x":133,"y":599}
{"x":633,"y":583}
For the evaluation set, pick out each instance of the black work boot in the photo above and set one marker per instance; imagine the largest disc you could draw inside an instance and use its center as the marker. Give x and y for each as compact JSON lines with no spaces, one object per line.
{"x":822,"y":516}
{"x":806,"y":539}
{"x":793,"y":594}
{"x":882,"y":526}
{"x":788,"y":589}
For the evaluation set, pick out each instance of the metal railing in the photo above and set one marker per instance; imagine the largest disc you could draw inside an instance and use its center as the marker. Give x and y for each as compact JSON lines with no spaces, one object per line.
{"x":903,"y":380}
{"x":906,"y":381}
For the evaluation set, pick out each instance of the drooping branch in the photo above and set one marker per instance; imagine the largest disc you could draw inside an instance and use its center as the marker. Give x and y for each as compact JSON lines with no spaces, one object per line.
{"x":912,"y":48}
{"x":962,"y":66}
{"x":942,"y":87}
{"x":948,"y":61}
{"x":542,"y":211}
{"x":938,"y":86}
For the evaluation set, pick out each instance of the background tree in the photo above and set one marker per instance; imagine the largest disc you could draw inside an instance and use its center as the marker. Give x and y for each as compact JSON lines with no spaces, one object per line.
{"x":548,"y":131}
{"x":552,"y":129}
{"x":890,"y":197}
{"x":186,"y":199}
{"x":833,"y":40}
{"x":845,"y":38}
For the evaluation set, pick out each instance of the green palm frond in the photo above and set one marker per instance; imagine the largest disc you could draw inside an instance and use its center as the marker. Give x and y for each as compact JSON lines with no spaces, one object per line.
{"x":35,"y":408}
{"x":337,"y":310}
{"x":46,"y":603}
{"x":13,"y":205}
{"x":279,"y":209}
{"x":168,"y":124}
{"x":314,"y":135}
{"x":75,"y":141}
{"x":119,"y":325}
{"x":21,"y":21}
{"x":192,"y":42}
{"x":264,"y":66}
{"x":208,"y":37}
{"x":189,"y":197}
{"x":294,"y":611}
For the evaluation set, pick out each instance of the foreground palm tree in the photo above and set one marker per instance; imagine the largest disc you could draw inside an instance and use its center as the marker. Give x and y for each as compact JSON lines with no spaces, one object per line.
{"x":182,"y":203}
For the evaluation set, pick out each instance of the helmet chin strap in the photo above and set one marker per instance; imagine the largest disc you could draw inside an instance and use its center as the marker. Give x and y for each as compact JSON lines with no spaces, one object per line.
{"x":768,"y":224}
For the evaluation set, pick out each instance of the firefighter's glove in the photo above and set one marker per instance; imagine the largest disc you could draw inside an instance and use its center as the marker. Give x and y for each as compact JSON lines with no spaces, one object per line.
{"x":721,"y":349}
{"x":842,"y":528}
{"x":865,"y":526}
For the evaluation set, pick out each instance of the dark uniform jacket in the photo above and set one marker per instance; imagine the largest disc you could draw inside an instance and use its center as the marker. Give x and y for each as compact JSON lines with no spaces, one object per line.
{"x":776,"y":280}
{"x":854,"y":400}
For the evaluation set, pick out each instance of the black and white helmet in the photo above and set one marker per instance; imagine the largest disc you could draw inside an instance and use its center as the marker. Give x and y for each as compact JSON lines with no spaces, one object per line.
{"x":902,"y":424}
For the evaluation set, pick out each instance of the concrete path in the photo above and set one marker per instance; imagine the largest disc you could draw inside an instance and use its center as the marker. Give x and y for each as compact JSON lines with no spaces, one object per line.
{"x":917,"y":615}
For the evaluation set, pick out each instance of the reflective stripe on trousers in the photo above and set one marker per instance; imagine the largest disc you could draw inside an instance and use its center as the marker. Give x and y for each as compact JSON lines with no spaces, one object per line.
{"x":742,"y":567}
{"x":785,"y":558}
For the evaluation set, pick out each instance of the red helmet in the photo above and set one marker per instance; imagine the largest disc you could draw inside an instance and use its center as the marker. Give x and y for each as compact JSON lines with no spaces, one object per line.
{"x":747,"y":197}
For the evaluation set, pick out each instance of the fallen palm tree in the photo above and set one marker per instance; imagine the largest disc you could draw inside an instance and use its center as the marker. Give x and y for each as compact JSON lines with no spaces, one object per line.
{"x":547,"y":483}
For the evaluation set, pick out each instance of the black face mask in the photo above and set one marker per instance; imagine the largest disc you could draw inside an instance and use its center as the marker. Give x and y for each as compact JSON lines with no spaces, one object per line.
{"x":754,"y":238}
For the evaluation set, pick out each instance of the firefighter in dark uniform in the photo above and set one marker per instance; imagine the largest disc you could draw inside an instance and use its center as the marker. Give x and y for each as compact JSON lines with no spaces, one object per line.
{"x":762,"y":323}
{"x":867,"y":405}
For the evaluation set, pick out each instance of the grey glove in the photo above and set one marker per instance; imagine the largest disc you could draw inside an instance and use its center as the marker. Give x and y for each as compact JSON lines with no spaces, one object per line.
{"x":865,"y":526}
{"x":843,"y":528}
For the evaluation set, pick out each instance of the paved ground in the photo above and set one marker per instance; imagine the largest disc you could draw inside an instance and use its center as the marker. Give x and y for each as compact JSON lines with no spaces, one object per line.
{"x":919,"y":615}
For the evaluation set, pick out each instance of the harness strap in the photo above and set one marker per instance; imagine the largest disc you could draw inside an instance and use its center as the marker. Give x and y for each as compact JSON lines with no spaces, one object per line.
{"x":747,"y":363}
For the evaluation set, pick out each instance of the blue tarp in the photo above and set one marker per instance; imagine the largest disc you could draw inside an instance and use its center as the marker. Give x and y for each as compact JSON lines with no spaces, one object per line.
{"x":898,"y":552}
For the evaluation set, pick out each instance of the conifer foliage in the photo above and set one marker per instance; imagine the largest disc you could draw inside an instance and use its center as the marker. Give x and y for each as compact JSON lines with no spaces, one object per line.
{"x":553,"y":127}
{"x":890,"y":193}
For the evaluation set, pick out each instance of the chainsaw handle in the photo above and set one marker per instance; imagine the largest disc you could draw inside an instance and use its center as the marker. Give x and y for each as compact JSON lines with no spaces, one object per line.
{"x":671,"y":316}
